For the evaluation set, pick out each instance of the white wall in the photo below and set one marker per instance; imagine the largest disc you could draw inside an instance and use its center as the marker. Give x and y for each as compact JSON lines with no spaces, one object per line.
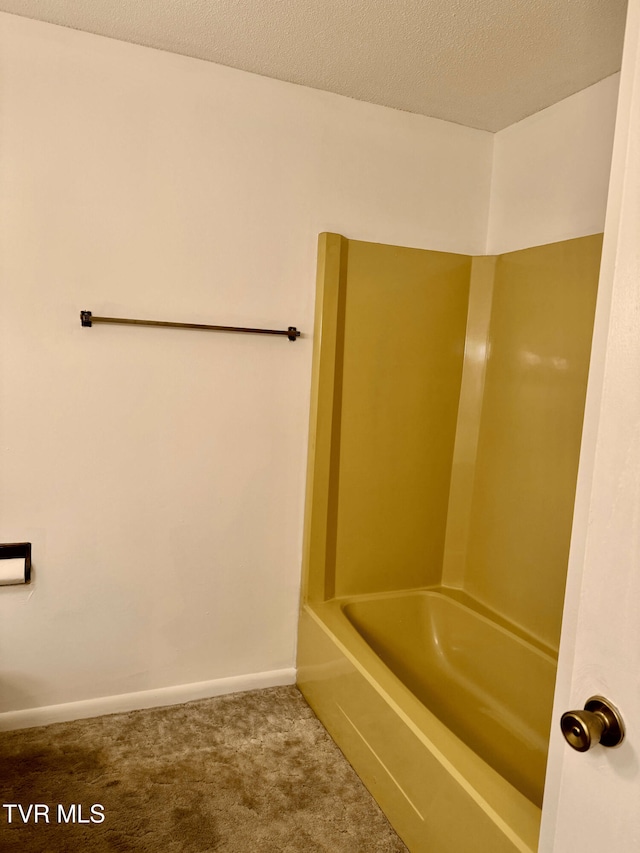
{"x":551,"y":172}
{"x":159,"y":474}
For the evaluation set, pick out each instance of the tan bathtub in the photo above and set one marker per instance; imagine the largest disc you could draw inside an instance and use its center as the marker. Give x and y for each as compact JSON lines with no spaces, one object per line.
{"x":443,"y":712}
{"x":493,"y":689}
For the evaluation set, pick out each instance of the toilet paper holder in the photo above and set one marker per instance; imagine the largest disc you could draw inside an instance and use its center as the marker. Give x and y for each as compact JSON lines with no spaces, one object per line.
{"x":17,"y":551}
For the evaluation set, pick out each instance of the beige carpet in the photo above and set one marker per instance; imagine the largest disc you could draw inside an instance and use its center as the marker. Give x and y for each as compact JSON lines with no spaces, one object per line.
{"x":247,"y":772}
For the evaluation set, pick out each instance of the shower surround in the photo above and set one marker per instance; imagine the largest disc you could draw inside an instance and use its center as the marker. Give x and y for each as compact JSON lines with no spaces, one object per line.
{"x":447,"y":405}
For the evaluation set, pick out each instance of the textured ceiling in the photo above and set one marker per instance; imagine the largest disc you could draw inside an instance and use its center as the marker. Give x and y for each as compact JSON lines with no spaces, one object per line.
{"x":481,"y":63}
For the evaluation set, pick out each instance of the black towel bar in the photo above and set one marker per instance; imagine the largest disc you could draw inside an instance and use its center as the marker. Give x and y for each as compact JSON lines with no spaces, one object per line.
{"x":88,"y":319}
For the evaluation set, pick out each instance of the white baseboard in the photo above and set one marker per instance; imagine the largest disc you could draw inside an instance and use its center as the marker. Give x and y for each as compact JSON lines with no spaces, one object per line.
{"x":30,"y":717}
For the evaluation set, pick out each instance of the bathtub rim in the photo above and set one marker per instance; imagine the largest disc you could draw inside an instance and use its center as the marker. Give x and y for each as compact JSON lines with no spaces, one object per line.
{"x":461,"y":601}
{"x":515,"y":815}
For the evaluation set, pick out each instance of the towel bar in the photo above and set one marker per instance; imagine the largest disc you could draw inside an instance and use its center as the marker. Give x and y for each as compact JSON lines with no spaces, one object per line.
{"x":88,"y":319}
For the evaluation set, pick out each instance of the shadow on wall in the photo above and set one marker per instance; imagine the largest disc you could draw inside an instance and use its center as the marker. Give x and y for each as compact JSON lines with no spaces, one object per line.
{"x":16,"y":691}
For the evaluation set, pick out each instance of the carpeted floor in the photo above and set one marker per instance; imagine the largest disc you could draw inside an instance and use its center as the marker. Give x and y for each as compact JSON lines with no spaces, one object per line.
{"x":242,"y":773}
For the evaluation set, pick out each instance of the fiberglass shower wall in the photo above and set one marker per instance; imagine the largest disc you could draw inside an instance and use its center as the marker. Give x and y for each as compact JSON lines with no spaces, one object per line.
{"x":401,"y":316}
{"x":453,"y":429}
{"x":520,"y":501}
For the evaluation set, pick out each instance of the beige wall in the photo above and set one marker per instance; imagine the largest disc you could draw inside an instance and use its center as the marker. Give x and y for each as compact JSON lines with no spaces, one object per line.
{"x":551,"y":172}
{"x":160,"y":474}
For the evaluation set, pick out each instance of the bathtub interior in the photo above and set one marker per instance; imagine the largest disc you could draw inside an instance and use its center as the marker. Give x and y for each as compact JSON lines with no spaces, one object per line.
{"x":447,"y":405}
{"x":491,"y":687}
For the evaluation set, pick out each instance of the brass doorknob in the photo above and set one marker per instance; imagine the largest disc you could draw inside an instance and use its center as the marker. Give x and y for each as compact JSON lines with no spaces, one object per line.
{"x":600,"y":722}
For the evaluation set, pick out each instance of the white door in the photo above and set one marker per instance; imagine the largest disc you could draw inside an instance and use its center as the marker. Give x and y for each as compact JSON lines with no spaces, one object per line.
{"x":592,"y":799}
